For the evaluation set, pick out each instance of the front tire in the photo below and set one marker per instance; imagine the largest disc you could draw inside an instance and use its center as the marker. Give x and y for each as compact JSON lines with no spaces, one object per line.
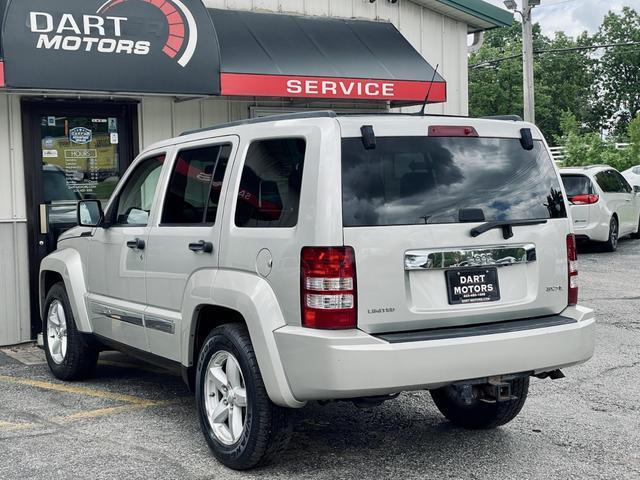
{"x":479,"y":414}
{"x":68,"y":355}
{"x":243,"y":428}
{"x":611,"y":245}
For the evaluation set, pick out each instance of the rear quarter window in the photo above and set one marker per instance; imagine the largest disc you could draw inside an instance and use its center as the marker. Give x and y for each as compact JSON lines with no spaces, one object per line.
{"x":426,"y":180}
{"x":269,"y":194}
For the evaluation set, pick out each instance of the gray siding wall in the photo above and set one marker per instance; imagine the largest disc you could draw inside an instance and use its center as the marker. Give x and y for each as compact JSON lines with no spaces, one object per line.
{"x":14,"y":266}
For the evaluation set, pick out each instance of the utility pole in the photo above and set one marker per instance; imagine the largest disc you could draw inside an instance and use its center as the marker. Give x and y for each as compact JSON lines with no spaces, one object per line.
{"x":527,"y":63}
{"x":528,"y":82}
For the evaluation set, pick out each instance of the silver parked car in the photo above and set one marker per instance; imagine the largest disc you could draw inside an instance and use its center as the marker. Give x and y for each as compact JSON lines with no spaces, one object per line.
{"x":308,"y":257}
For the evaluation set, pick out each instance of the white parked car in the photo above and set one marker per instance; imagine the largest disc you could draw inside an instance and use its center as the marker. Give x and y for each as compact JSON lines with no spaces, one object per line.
{"x":316,"y":257}
{"x":632,"y":175}
{"x":604,"y":207}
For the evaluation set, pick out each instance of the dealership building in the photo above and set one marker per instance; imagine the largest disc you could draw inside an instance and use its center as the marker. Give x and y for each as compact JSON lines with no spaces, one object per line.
{"x":87,"y":84}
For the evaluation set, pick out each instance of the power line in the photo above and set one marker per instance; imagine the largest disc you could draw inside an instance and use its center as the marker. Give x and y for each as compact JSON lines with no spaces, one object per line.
{"x":495,"y":61}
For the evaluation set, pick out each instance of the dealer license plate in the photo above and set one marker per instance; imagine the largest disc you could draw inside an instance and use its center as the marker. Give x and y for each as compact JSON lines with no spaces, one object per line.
{"x":472,"y":285}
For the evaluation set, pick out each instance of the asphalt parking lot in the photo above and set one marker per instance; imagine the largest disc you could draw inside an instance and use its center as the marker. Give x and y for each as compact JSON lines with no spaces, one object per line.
{"x":135,"y":421}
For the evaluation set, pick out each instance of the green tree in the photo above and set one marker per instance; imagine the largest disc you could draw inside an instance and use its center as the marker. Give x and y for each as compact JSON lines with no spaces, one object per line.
{"x":563,"y":80}
{"x":588,"y":148}
{"x":617,"y":93}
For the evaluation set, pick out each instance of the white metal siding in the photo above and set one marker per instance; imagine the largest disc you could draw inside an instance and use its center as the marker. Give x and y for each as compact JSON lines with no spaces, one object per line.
{"x":14,"y":266}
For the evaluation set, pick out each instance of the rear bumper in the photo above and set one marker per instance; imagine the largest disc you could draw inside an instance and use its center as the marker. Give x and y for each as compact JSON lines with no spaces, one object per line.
{"x":598,"y":232}
{"x":323,"y":365}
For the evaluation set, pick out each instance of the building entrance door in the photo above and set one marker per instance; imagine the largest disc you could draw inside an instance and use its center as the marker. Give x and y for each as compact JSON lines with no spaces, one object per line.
{"x":73,"y":151}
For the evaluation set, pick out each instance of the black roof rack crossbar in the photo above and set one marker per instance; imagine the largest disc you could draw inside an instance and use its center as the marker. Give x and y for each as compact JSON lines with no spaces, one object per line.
{"x":269,"y":118}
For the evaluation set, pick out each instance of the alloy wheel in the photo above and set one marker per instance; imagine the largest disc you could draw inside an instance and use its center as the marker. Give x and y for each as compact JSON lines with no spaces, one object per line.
{"x":57,"y":332}
{"x":225,"y":398}
{"x":614,"y":233}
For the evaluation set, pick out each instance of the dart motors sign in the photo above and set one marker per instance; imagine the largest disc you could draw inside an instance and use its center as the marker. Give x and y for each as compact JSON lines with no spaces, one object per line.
{"x":159,"y":46}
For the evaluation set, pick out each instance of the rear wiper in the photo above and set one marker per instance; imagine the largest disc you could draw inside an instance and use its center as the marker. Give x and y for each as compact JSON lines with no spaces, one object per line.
{"x":506,"y":225}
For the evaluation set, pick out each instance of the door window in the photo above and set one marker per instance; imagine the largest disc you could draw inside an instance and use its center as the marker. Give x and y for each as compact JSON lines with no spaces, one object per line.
{"x":269,"y":193}
{"x":133,"y":205}
{"x":624,"y":185}
{"x":79,"y":157}
{"x":195,"y":186}
{"x":609,"y":182}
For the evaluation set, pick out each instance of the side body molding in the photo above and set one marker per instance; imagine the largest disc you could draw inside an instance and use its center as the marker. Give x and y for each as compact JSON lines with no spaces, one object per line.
{"x":68,"y":264}
{"x":254,"y":299}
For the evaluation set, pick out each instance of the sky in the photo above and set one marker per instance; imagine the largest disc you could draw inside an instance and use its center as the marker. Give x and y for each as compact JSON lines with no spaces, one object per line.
{"x":573,"y":16}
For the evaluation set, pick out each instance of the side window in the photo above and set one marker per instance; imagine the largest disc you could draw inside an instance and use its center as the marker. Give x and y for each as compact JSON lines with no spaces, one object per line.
{"x":136,"y":198}
{"x":608,"y":182}
{"x":195,"y":186}
{"x":636,"y":170}
{"x":269,"y":194}
{"x":624,"y":185}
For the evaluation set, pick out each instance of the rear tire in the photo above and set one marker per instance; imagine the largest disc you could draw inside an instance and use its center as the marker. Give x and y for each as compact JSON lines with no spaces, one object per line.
{"x":263,"y":429}
{"x":68,"y":355}
{"x":479,"y":414}
{"x":611,"y":245}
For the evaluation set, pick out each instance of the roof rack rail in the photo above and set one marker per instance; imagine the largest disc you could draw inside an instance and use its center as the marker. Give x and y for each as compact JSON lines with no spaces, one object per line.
{"x":269,"y":118}
{"x":602,"y":165}
{"x":513,"y":118}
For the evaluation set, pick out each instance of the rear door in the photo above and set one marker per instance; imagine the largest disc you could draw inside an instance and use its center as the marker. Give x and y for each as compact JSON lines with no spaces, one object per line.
{"x":630,"y":205}
{"x":580,"y":193}
{"x":185,"y":237}
{"x":409,"y":207}
{"x":618,"y":200}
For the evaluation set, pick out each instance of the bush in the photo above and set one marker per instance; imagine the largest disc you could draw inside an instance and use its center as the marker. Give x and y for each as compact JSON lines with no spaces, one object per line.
{"x":591,"y":149}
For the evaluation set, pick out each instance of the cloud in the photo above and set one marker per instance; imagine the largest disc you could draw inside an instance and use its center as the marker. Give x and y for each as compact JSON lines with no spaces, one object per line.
{"x":573,"y":16}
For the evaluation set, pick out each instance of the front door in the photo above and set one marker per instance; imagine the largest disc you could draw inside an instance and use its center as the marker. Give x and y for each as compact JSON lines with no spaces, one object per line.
{"x":117,"y":251}
{"x":184,"y":239}
{"x":73,"y":151}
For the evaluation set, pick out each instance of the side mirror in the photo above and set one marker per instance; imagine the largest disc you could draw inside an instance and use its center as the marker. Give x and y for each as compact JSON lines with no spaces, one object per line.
{"x":636,"y":189}
{"x":90,"y":213}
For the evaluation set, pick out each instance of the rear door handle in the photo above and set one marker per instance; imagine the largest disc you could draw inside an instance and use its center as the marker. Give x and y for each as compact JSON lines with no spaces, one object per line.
{"x":137,"y":244}
{"x":201,"y":246}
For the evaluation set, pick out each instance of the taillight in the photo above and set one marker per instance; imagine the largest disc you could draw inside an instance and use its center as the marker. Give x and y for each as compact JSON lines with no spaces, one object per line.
{"x":572,"y":266}
{"x":584,"y":199}
{"x":328,"y":287}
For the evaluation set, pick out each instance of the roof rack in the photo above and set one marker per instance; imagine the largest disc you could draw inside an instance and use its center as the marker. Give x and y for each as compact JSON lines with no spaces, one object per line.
{"x":513,"y":118}
{"x":587,"y":167}
{"x":332,"y":114}
{"x":269,"y":118}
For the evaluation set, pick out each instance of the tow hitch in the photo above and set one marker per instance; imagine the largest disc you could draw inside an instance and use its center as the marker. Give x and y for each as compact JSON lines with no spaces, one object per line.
{"x":487,"y":390}
{"x":497,"y":390}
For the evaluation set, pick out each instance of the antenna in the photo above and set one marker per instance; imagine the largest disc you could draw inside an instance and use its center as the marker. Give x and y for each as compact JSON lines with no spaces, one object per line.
{"x":426,"y":99}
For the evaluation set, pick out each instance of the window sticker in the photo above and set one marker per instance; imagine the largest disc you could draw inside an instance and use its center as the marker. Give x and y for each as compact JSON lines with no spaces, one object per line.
{"x":114,"y":138}
{"x":80,"y":135}
{"x":51,"y":121}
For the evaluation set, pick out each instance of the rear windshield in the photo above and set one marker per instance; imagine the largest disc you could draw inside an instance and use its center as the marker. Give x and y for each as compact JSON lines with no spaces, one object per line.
{"x":423,"y":180}
{"x":577,"y":185}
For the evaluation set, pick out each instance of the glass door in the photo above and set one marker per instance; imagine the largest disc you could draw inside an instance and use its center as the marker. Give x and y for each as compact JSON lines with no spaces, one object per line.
{"x":73,"y":151}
